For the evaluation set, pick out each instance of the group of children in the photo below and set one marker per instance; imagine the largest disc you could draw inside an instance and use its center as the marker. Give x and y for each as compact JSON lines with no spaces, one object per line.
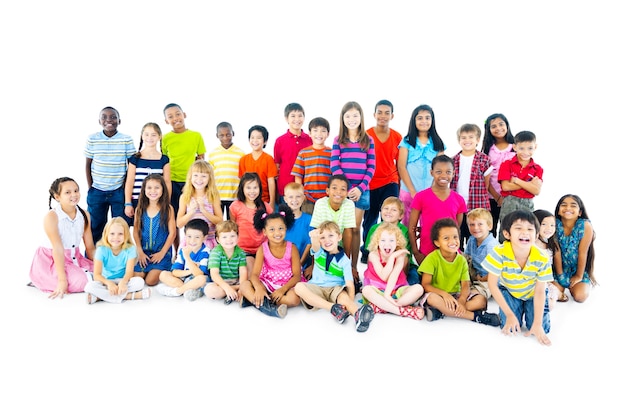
{"x":277,"y":232}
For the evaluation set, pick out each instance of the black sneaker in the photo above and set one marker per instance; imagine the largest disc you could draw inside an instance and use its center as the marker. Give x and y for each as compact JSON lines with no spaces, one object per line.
{"x":245,"y":303}
{"x":363,"y":317}
{"x":228,"y":300}
{"x":486,"y":318}
{"x":339,"y":312}
{"x":432,"y":314}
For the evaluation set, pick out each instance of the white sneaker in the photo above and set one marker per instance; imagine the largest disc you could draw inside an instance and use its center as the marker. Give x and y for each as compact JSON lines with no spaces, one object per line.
{"x":193,"y":295}
{"x":167,"y":290}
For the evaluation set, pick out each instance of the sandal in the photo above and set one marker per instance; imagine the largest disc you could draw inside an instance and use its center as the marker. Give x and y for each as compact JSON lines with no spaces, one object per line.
{"x":563,"y":297}
{"x":92,"y":299}
{"x":414,"y":312}
{"x":145,"y":294}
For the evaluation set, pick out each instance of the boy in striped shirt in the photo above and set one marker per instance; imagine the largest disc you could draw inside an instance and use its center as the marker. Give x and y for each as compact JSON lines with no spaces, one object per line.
{"x":225,"y":161}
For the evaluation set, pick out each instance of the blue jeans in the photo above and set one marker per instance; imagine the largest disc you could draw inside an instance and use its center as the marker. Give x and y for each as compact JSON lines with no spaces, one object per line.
{"x":98,"y":204}
{"x":524,"y":309}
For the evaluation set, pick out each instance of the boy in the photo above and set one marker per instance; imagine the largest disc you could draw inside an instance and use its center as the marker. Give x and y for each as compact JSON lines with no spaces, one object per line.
{"x":331,"y":286}
{"x":472,"y":169}
{"x":183,"y":147}
{"x":298,"y":234}
{"x":446,"y":280}
{"x":225,"y":161}
{"x":392,"y":211}
{"x":479,"y":244}
{"x":107,"y":154}
{"x":385,"y":181}
{"x":518,"y":273}
{"x":288,"y":145}
{"x":261,"y":163}
{"x":520,"y":177}
{"x":312,"y":166}
{"x":189,"y":272}
{"x":227,"y":264}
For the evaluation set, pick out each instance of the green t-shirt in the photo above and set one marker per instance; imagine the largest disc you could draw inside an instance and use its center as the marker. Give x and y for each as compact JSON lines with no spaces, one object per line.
{"x":182,"y":149}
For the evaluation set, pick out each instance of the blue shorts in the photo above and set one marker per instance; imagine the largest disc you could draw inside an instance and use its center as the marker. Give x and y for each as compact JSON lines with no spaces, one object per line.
{"x":364,"y":201}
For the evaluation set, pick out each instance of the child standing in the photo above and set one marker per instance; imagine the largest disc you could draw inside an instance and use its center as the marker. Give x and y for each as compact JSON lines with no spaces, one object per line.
{"x":225,"y":161}
{"x":472,"y":170}
{"x":61,"y":268}
{"x":227,"y":264}
{"x":312,"y":166}
{"x":332,"y":287}
{"x":113,"y":267}
{"x":242,"y":211}
{"x":288,"y":145}
{"x":385,"y":284}
{"x":520,"y":177}
{"x":353,"y":155}
{"x":298,"y":234}
{"x":546,"y":241}
{"x":190,"y":272}
{"x":183,"y":146}
{"x":573,"y":262}
{"x":276,"y":267}
{"x":107,"y":154}
{"x":260,"y":163}
{"x":200,"y":199}
{"x":436,"y":202}
{"x":479,"y":244}
{"x":446,"y":280}
{"x":415,"y":155}
{"x":148,"y":160}
{"x":154,"y":230}
{"x":518,"y":273}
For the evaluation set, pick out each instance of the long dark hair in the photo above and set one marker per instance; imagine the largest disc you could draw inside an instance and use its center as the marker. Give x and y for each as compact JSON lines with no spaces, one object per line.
{"x":143,"y":202}
{"x":488,"y":139}
{"x":412,"y":134}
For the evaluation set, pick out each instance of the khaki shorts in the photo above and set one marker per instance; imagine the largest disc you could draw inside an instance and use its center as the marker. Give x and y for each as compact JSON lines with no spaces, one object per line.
{"x":330,"y":294}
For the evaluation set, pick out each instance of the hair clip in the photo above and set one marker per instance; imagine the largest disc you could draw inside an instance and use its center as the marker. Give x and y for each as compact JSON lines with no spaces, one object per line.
{"x":264,"y":215}
{"x":282,"y":213}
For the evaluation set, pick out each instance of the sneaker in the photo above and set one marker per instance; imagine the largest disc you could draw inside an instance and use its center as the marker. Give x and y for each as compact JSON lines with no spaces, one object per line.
{"x":339,"y":312}
{"x":193,"y":295}
{"x":228,"y":300}
{"x":167,"y":290}
{"x":364,"y":258}
{"x":363,"y":317}
{"x":244,"y":303}
{"x":432,"y":314}
{"x":487,"y":318}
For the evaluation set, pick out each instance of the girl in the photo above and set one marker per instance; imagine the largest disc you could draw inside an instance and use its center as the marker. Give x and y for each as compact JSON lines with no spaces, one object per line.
{"x":384,"y":282}
{"x":242,"y":210}
{"x":200,"y":199}
{"x":148,"y":160}
{"x":547,"y":243}
{"x":276,"y":267}
{"x":353,"y":155}
{"x":61,"y":268}
{"x":113,"y":279}
{"x":573,"y":261}
{"x":154,"y":230}
{"x":498,"y":145}
{"x":416,"y":152}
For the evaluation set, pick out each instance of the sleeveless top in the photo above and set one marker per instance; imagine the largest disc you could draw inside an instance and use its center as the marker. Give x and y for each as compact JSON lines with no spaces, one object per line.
{"x":210,"y":241}
{"x":153,"y":233}
{"x":275,"y":272}
{"x":71,"y":230}
{"x":569,"y":246}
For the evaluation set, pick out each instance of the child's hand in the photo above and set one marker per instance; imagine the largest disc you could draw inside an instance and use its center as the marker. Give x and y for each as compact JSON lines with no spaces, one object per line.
{"x":450,"y":301}
{"x":187,"y":252}
{"x":142,"y":259}
{"x":111,"y":287}
{"x":122,"y":288}
{"x":389,"y":298}
{"x":460,"y":310}
{"x":60,"y":291}
{"x":193,"y":205}
{"x":129,"y":211}
{"x":259,"y":295}
{"x":511,"y":326}
{"x":354,"y":194}
{"x":277,"y":295}
{"x":541,"y":336}
{"x":156,"y":257}
{"x":575,"y":279}
{"x":231,"y":293}
{"x":308,"y":272}
{"x":314,"y":233}
{"x":400,"y":252}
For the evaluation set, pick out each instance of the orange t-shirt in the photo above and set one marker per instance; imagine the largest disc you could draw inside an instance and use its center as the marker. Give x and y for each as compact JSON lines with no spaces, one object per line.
{"x":264,"y":166}
{"x":386,"y":156}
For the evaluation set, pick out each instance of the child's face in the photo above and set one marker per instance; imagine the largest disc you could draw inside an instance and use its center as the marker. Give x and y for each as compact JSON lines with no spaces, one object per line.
{"x":522,"y":234}
{"x":251,"y":190}
{"x":442,"y":173}
{"x":294,"y":199}
{"x":498,"y":128}
{"x":569,"y":209}
{"x":547,"y":228}
{"x":194,"y":238}
{"x":423,"y":121}
{"x":109,"y":120}
{"x":319,"y":135}
{"x":383,"y":115}
{"x":199,"y":180}
{"x":228,"y":240}
{"x":387,"y":243}
{"x":352,"y":119}
{"x":69,"y":194}
{"x":468,"y":141}
{"x":154,"y":190}
{"x":295,"y":120}
{"x":275,"y":230}
{"x":337,"y":192}
{"x":175,"y":117}
{"x":329,"y":240}
{"x":225,"y":136}
{"x":390,"y":213}
{"x":116,"y":235}
{"x":257,"y":142}
{"x":525,"y":150}
{"x":448,"y":241}
{"x":478,"y":228}
{"x":150,"y":137}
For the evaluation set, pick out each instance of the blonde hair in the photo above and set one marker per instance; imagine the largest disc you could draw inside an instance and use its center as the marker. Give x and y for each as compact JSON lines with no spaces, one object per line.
{"x":396,"y":201}
{"x":128,"y":242}
{"x":226,"y":226}
{"x":468,"y":128}
{"x":204,"y":167}
{"x":481,"y":213}
{"x":294,"y":187}
{"x":329,"y":226}
{"x":390,"y":228}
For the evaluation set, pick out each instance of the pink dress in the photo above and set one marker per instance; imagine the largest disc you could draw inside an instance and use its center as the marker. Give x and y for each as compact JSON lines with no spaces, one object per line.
{"x":78,"y":268}
{"x":275,"y":272}
{"x":370,"y":277}
{"x":210,"y":241}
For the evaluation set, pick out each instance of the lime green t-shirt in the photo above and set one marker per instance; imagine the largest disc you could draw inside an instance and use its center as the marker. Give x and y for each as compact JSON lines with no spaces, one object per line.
{"x":447,"y":276}
{"x":182,"y":149}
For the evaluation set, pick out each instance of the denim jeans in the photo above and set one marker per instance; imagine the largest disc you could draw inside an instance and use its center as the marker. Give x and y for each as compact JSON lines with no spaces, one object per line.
{"x":524,"y":309}
{"x":98,"y":204}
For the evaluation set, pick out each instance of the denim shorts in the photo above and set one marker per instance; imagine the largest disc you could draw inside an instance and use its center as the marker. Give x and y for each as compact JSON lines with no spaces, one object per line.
{"x":364,"y":201}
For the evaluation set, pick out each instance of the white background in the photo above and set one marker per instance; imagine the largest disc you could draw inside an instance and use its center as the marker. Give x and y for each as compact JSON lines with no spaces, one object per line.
{"x":554,"y":69}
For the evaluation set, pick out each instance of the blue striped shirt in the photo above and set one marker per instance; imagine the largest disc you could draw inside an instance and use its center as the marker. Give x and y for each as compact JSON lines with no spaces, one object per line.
{"x":109,"y":159}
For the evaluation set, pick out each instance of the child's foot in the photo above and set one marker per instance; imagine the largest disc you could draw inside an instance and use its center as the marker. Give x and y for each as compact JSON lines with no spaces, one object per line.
{"x":339,"y":312}
{"x":433,"y":314}
{"x":486,"y":318}
{"x":92,"y":299}
{"x":192,"y":295}
{"x":377,"y":309}
{"x":245,"y":303}
{"x":167,"y":291}
{"x":363,"y":316}
{"x":228,"y":300}
{"x":412,"y":312}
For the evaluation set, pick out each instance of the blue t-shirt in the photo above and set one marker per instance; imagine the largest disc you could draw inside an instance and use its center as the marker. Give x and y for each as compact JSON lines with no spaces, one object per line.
{"x":114,"y":266}
{"x":478,"y":253}
{"x":334,"y":273}
{"x":298,"y":234}
{"x":201,"y":257}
